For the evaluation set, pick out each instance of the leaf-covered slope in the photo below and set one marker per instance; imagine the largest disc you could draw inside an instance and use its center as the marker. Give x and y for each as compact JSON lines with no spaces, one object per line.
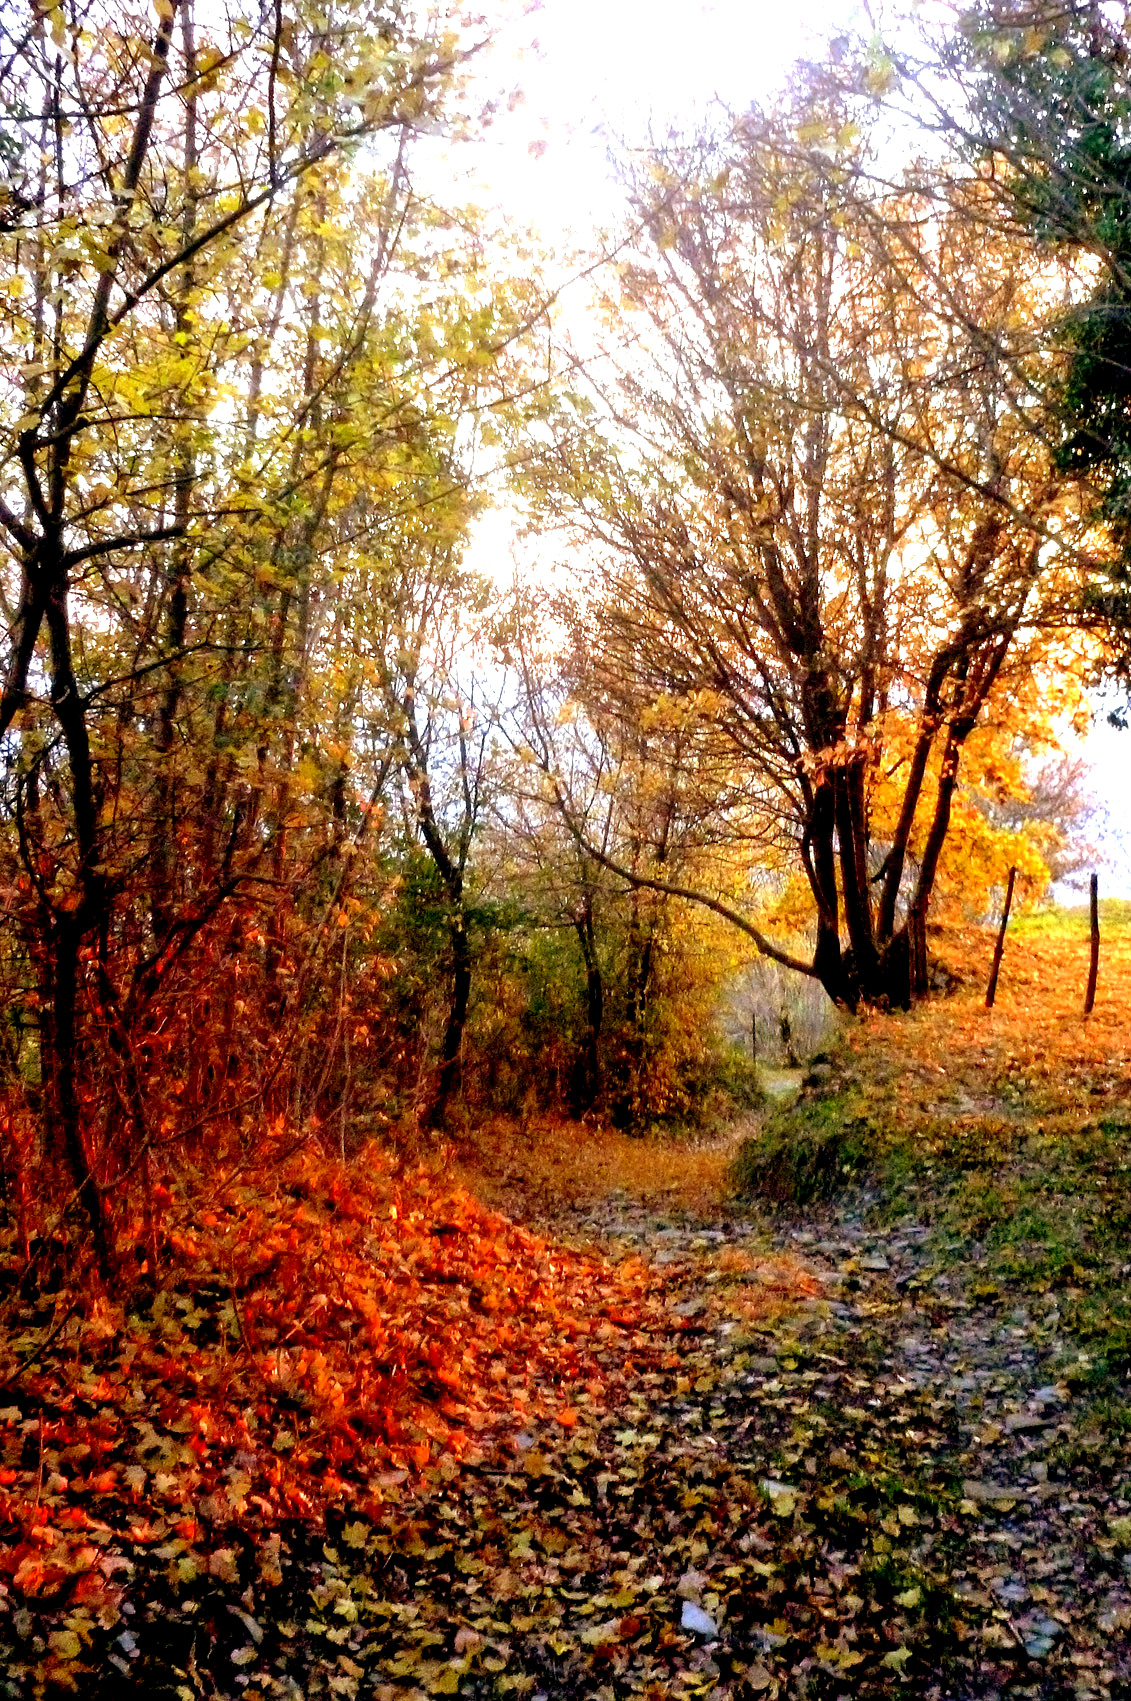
{"x":321,"y":1328}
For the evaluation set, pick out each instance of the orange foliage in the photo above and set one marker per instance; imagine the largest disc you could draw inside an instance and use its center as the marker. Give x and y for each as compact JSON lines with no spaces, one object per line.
{"x":323,"y":1330}
{"x":1036,"y":1035}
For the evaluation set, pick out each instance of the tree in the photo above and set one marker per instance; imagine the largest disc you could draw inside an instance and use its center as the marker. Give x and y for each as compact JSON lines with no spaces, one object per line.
{"x":1034,"y":100}
{"x":423,"y":660}
{"x":197,"y":220}
{"x":604,"y":808}
{"x":565,"y":889}
{"x":1054,"y":807}
{"x":818,"y":528}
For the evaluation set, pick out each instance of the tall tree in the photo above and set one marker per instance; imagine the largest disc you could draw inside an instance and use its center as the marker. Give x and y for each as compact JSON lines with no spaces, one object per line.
{"x":1034,"y":100}
{"x":817,"y":525}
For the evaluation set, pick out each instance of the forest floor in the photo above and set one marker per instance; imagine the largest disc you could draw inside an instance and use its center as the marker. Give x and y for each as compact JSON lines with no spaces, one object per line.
{"x":878,"y":1444}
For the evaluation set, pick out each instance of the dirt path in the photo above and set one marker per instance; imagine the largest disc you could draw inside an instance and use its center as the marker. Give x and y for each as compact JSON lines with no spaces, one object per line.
{"x":882,"y":1460}
{"x":939,"y":1414}
{"x":856,"y":1477}
{"x":855,"y":1471}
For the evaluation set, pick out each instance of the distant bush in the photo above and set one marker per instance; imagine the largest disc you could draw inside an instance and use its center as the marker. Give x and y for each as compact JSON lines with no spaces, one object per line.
{"x":735,"y":1077}
{"x":1071,"y":920}
{"x":714,"y":1089}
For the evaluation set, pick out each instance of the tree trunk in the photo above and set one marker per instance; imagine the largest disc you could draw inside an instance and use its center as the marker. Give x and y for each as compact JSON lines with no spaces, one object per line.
{"x":829,"y":966}
{"x":851,"y":830}
{"x":586,"y":1085}
{"x":75,"y":925}
{"x":66,"y":1108}
{"x":184,"y":481}
{"x":917,"y":946}
{"x":894,"y":975}
{"x":460,"y":943}
{"x":638,"y":981}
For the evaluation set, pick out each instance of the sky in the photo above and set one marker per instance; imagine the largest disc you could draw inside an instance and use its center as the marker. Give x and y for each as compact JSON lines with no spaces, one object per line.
{"x":595,"y":71}
{"x":1109,"y":751}
{"x":596,"y":74}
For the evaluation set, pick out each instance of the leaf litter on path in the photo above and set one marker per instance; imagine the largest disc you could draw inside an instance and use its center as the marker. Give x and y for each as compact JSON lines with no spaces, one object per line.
{"x":872,"y":1453}
{"x":795,"y":1481}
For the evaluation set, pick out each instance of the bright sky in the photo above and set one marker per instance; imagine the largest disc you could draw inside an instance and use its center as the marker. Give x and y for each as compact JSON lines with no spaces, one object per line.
{"x":593,"y":73}
{"x":1109,"y":751}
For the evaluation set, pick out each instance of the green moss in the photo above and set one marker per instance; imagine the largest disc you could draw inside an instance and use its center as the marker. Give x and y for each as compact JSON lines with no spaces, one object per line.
{"x":808,"y":1152}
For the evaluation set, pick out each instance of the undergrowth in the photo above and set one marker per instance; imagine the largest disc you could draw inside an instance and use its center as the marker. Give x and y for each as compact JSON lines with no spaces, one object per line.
{"x":1007,"y":1133}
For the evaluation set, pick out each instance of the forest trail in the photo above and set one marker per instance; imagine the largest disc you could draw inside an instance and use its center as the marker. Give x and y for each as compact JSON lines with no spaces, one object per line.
{"x":878,"y":1444}
{"x":882,"y":1463}
{"x":927,"y":1425}
{"x":939,"y":1485}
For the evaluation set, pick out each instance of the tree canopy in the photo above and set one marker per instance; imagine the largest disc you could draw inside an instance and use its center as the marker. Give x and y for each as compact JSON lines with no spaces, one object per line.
{"x":823,"y":542}
{"x":306,"y":816}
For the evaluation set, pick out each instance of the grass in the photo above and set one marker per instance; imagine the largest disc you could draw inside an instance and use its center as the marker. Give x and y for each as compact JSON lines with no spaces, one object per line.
{"x":1007,"y":1131}
{"x":1063,"y":921}
{"x":807,"y":1152}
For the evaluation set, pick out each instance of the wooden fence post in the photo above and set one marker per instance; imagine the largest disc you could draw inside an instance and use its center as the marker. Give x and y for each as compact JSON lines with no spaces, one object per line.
{"x":991,"y":990}
{"x":1094,"y":961}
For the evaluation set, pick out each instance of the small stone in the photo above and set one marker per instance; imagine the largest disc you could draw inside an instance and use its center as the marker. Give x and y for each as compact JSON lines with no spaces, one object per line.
{"x":874,"y":1261}
{"x":694,"y":1618}
{"x":988,"y":1493}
